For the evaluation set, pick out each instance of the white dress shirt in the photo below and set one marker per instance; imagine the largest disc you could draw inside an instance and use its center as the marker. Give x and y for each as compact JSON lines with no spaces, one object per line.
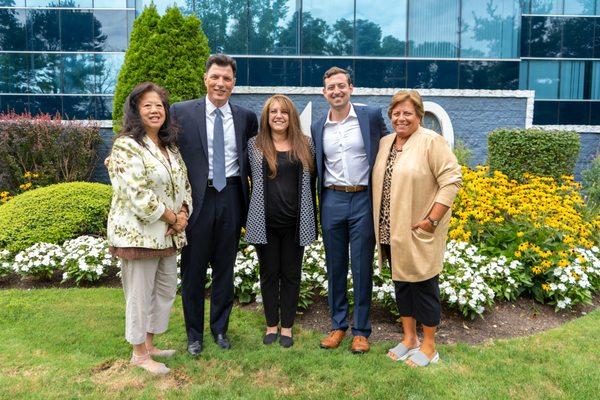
{"x":346,"y":161}
{"x":232,"y":167}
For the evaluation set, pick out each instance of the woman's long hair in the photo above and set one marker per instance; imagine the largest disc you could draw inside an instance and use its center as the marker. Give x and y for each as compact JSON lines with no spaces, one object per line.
{"x":132,"y":125}
{"x":299,"y":142}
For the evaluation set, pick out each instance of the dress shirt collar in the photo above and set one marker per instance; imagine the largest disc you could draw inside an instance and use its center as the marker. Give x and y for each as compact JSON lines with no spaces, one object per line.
{"x":351,"y":114}
{"x":210,"y":108}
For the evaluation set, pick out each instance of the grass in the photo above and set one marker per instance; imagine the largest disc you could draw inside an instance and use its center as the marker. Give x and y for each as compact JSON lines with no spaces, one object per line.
{"x":68,"y":344}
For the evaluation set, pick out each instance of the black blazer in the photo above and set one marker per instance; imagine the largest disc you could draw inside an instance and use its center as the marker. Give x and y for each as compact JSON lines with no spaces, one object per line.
{"x":190,"y":116}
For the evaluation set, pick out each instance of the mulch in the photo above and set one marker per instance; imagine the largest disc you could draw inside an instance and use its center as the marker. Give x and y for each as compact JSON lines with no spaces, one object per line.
{"x":504,"y":320}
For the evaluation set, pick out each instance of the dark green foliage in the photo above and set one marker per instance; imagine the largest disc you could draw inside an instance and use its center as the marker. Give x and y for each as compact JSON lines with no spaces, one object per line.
{"x":544,"y":153}
{"x":54,"y":214}
{"x":170,"y":50}
{"x":591,"y":183}
{"x":41,"y":145}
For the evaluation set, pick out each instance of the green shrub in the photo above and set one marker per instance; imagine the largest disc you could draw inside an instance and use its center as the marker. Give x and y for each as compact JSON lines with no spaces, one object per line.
{"x":54,"y":151}
{"x":53,"y":214}
{"x":543,"y":153}
{"x":170,"y":51}
{"x":591,"y":183}
{"x":463,"y":153}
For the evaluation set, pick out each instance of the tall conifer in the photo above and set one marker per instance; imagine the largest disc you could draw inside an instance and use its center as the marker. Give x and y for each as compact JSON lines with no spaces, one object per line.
{"x":170,"y":51}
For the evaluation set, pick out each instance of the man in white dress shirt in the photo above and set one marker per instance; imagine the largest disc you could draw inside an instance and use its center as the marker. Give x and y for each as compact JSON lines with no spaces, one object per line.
{"x":212,"y":141}
{"x":346,"y":142}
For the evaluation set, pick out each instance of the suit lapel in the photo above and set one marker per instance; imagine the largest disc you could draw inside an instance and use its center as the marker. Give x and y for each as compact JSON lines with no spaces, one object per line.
{"x":202,"y":136}
{"x":319,"y":148}
{"x":363,"y":122}
{"x":239,"y":133}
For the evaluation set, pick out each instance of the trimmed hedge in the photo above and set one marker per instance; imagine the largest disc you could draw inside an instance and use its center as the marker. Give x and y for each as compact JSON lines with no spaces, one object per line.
{"x":543,"y":153}
{"x":54,"y":214}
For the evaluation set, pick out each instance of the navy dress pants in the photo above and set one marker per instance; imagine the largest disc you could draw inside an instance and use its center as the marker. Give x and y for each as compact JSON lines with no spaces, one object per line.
{"x":347,"y":223}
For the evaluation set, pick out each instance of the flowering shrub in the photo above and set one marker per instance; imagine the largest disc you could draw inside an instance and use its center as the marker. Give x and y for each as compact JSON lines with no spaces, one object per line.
{"x":5,"y":263}
{"x":39,"y":260}
{"x":86,"y":259}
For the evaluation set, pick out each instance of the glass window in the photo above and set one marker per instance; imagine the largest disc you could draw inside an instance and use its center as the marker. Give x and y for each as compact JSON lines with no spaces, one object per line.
{"x":14,"y":73}
{"x":274,"y":27}
{"x":110,"y":30}
{"x":18,"y":104}
{"x":13,"y":3}
{"x":524,"y":75}
{"x":596,"y":80}
{"x":45,"y":73}
{"x":106,"y":72}
{"x":579,"y":7}
{"x":112,"y":3}
{"x":79,"y":107}
{"x":545,"y":113}
{"x":501,"y":75}
{"x":380,"y":73}
{"x":543,"y":78}
{"x":274,"y":71}
{"x":42,"y":3}
{"x":432,"y":74}
{"x":104,"y":107}
{"x":75,"y":3}
{"x":328,"y":27}
{"x":43,"y":30}
{"x":572,"y":74}
{"x":241,"y":73}
{"x":185,"y":6}
{"x":381,"y":29}
{"x":13,"y":35}
{"x":490,"y":29}
{"x":45,"y":105}
{"x":77,"y":30}
{"x":553,"y":7}
{"x":430,"y":121}
{"x":78,"y":73}
{"x":594,"y":113}
{"x":225,"y":23}
{"x":433,"y":28}
{"x":574,"y":113}
{"x":545,"y":39}
{"x":578,"y":37}
{"x":314,"y":69}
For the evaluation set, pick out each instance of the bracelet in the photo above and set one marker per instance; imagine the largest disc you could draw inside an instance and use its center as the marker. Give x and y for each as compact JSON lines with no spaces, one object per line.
{"x":175,"y":223}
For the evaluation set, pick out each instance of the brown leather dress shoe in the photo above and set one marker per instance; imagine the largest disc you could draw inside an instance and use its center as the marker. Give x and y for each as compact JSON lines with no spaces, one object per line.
{"x":333,"y":340}
{"x":360,"y":344}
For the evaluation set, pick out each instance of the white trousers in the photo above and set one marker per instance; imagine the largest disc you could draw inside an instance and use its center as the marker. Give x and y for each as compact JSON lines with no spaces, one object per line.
{"x":150,"y":287}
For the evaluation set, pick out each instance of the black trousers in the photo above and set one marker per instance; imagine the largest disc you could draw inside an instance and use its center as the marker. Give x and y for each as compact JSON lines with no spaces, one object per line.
{"x":280,"y":274}
{"x":212,"y":240}
{"x":419,"y":300}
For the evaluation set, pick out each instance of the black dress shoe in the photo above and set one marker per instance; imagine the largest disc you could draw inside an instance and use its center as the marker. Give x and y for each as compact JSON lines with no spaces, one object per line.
{"x":270,"y":338}
{"x":286,"y":341}
{"x":195,"y":348}
{"x":222,"y":340}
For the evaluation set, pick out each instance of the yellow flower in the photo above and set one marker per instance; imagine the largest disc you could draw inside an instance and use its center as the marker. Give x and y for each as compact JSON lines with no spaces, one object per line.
{"x":520,"y":234}
{"x":517,"y":254}
{"x":563,"y":263}
{"x":546,"y":287}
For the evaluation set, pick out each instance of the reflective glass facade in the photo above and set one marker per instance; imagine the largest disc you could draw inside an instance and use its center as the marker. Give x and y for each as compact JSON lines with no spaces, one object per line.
{"x":64,"y":55}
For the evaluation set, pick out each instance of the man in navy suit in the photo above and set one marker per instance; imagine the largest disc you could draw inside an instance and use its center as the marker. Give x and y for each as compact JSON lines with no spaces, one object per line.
{"x":346,"y":141}
{"x":212,"y":142}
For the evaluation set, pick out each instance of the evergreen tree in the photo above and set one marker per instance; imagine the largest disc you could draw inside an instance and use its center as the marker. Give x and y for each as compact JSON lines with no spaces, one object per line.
{"x":170,"y":51}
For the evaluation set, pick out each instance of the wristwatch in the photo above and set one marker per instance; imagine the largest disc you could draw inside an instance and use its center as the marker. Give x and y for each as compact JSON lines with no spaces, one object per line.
{"x":433,"y":221}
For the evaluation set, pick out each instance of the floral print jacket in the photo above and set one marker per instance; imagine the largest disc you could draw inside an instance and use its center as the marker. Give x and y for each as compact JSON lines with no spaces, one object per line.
{"x":144,"y":184}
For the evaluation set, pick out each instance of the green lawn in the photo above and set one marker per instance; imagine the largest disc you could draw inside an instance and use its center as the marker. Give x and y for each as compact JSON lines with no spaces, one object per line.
{"x":68,"y":344}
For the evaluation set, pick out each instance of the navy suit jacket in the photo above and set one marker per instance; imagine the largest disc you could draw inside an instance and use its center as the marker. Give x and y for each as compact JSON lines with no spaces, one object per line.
{"x":190,"y":116}
{"x":372,"y":128}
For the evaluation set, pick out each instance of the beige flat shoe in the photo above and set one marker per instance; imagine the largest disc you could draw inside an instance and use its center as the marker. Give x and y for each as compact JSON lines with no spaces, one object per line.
{"x":161,"y":353}
{"x":147,"y":363}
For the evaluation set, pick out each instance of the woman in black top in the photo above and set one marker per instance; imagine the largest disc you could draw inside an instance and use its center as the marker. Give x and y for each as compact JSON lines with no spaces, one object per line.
{"x":281,"y":215}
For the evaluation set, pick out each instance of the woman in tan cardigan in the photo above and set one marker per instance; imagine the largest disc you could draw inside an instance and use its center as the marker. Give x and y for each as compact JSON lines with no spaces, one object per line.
{"x":415,"y":179}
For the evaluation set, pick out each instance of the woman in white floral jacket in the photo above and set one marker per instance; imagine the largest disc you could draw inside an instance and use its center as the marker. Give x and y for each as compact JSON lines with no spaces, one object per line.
{"x":148,"y":215}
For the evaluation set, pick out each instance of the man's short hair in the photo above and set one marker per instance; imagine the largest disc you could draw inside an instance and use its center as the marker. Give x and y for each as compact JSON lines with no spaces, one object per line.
{"x":334,"y":71}
{"x":222,"y":60}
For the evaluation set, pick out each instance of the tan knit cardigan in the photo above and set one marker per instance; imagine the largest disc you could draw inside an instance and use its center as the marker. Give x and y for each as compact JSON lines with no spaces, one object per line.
{"x":426,"y":172}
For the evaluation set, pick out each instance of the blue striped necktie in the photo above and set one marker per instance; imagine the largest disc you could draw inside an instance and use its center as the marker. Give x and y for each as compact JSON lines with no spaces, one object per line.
{"x":219,"y":179}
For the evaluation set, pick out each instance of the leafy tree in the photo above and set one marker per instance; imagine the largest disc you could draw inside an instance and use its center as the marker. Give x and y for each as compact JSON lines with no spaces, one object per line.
{"x":170,"y":51}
